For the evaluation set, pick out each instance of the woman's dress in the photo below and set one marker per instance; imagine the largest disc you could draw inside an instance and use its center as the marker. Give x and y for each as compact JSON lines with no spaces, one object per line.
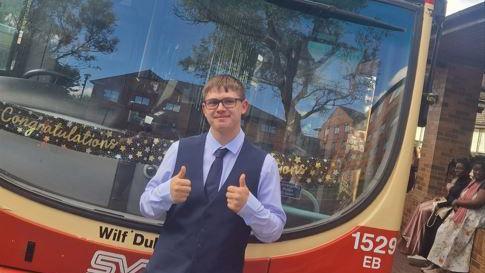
{"x":413,"y":232}
{"x":452,"y":247}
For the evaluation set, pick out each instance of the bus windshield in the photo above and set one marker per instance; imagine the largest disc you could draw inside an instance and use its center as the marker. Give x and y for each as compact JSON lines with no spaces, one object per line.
{"x":93,"y":92}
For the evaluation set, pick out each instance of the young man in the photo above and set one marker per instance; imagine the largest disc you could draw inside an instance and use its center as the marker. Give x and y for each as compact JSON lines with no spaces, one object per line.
{"x":216,"y":188}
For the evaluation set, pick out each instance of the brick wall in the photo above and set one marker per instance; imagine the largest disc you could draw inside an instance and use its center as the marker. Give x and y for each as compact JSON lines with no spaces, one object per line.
{"x":448,"y":135}
{"x":477,"y":264}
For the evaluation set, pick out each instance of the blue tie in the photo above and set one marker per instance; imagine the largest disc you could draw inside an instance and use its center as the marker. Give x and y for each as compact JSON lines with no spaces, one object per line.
{"x":214,"y":175}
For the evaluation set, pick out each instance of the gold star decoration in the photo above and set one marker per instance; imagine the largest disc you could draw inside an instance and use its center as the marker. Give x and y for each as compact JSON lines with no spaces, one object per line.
{"x":109,"y":134}
{"x":139,"y":154}
{"x":46,"y":139}
{"x":297,"y":159}
{"x":122,"y":148}
{"x":318,"y":165}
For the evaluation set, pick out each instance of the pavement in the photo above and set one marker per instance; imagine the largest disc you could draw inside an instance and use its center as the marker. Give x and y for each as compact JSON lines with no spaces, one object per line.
{"x":401,"y":265}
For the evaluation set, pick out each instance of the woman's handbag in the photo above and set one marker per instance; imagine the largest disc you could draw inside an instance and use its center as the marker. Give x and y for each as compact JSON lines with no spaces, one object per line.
{"x":441,"y":210}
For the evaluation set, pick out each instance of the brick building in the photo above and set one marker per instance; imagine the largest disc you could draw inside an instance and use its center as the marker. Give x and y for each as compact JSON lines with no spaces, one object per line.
{"x":458,"y":82}
{"x":340,"y":128}
{"x":176,"y":109}
{"x":342,"y":138}
{"x":128,"y":98}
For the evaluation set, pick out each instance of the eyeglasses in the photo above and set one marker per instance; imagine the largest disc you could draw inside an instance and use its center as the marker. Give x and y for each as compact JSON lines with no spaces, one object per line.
{"x":212,"y":104}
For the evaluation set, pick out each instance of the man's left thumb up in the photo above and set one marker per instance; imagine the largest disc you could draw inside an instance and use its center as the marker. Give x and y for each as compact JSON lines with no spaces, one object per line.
{"x":242,"y":181}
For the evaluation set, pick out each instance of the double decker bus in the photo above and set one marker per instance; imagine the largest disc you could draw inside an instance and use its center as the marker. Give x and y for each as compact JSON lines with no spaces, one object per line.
{"x":93,"y":92}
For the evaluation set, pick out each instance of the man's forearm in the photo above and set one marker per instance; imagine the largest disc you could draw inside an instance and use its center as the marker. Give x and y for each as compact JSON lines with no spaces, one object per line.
{"x":267,"y":225}
{"x":155,"y":201}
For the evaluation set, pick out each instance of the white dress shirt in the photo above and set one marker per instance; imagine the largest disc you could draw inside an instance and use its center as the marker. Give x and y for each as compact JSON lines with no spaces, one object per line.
{"x":264,"y":214}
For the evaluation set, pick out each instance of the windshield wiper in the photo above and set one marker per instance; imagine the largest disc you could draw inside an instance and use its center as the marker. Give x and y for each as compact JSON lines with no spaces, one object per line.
{"x":320,"y":9}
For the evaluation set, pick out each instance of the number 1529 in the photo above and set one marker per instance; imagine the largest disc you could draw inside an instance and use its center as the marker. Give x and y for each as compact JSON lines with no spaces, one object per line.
{"x":369,"y":242}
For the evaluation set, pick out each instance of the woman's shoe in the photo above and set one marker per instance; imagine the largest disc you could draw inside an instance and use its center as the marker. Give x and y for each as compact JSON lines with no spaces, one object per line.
{"x":417,"y":260}
{"x":434,"y":270}
{"x":429,"y":267}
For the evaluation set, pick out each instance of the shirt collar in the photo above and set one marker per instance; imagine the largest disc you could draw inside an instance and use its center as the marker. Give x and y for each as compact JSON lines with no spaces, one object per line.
{"x":234,"y":146}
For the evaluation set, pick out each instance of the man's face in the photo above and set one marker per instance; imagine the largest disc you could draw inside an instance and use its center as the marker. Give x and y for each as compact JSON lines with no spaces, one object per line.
{"x":224,"y":119}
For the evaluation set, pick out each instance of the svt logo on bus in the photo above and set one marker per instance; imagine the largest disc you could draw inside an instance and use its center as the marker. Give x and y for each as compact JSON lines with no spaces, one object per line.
{"x":107,"y":262}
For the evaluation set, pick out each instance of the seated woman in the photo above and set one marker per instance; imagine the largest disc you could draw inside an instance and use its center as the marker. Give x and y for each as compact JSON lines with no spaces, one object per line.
{"x":454,"y":188}
{"x":410,"y":243}
{"x":452,"y":248}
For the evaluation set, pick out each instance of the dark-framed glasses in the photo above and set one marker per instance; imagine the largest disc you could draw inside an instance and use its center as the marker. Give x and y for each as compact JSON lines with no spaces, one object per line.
{"x":212,"y":104}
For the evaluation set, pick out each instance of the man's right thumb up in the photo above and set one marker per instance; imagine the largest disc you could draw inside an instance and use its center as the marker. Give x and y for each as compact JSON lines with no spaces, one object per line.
{"x":181,"y":173}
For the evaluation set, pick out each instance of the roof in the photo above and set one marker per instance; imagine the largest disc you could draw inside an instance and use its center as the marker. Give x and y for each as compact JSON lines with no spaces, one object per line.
{"x":463,"y":37}
{"x":145,"y":74}
{"x":256,"y":112}
{"x":354,"y":114}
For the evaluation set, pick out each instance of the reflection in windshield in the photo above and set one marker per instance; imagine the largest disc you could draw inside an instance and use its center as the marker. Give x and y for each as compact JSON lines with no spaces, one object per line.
{"x":128,"y":75}
{"x":323,"y":10}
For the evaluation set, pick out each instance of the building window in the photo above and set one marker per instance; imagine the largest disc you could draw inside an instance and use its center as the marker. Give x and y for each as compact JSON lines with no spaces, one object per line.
{"x":135,"y":117}
{"x":141,"y":100}
{"x":111,"y":95}
{"x":418,"y":139}
{"x":268,"y":128}
{"x":347,"y":128}
{"x":336,"y":130}
{"x":172,"y":107}
{"x":478,"y":142}
{"x":325,"y":134}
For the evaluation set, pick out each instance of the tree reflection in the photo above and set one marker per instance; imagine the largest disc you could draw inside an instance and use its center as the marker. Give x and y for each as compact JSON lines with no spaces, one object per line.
{"x":287,"y":50}
{"x":65,"y":36}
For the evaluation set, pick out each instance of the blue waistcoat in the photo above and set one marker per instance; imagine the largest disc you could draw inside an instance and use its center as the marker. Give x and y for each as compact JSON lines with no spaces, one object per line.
{"x":199,"y":236}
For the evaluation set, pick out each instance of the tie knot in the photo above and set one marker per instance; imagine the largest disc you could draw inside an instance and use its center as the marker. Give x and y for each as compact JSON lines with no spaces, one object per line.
{"x":220,"y":153}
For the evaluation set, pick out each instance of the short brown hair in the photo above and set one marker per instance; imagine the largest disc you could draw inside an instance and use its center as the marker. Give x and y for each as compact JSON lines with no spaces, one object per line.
{"x":227,"y":82}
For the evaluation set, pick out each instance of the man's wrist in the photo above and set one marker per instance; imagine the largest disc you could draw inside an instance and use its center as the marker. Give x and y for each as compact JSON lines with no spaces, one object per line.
{"x":162,"y":191}
{"x":250,"y":208}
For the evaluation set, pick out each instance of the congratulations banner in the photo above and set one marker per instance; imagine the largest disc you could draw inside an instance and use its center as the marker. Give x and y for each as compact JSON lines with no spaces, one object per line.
{"x":141,"y":148}
{"x":80,"y":137}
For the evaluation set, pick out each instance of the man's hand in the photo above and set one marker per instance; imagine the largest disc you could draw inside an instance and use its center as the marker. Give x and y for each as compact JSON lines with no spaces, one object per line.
{"x":237,"y":196}
{"x":180,"y":187}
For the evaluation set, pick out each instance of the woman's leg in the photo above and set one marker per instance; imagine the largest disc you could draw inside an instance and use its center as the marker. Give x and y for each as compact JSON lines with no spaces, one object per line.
{"x":413,"y":231}
{"x":428,"y":237}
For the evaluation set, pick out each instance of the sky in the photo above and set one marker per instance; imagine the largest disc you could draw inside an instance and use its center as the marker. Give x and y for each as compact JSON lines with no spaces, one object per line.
{"x":457,"y":5}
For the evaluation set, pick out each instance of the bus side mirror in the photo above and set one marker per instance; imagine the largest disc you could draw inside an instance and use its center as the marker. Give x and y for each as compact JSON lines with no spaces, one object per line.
{"x":427,"y":100}
{"x":431,"y":98}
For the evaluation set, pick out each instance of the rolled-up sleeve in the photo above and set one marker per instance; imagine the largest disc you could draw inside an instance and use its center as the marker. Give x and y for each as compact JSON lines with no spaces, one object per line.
{"x":156,"y":198}
{"x":265,"y":214}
